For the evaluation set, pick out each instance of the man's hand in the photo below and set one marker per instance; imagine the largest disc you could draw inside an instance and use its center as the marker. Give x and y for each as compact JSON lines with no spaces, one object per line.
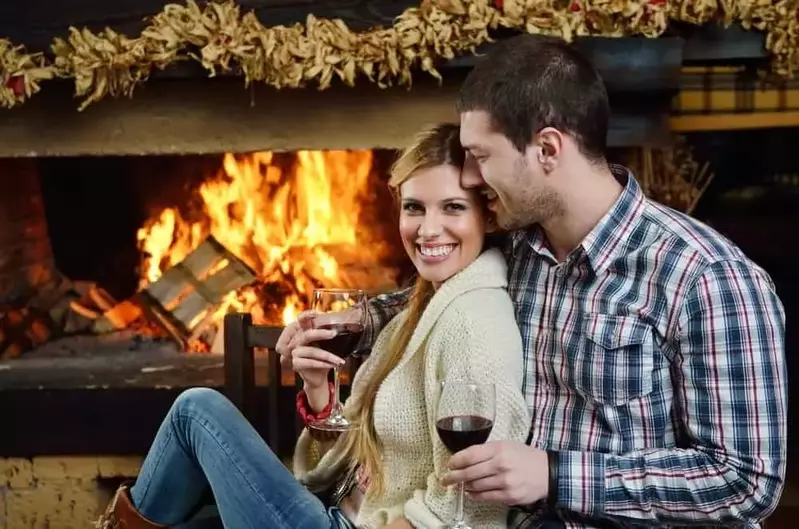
{"x":501,"y":471}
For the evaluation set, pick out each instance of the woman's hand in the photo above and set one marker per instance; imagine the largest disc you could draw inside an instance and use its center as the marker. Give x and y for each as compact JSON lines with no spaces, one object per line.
{"x":313,"y":364}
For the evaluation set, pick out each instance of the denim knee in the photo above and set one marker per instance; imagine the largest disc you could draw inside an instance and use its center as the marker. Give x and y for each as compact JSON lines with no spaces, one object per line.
{"x":202,"y":400}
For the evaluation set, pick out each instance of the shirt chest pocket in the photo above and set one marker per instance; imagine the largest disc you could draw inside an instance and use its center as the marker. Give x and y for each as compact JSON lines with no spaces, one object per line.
{"x":614,"y":360}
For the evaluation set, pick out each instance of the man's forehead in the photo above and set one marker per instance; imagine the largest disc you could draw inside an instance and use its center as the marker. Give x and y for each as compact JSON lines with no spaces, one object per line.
{"x":475,"y":129}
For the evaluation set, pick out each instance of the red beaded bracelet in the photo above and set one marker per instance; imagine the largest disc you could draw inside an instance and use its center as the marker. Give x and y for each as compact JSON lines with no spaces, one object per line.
{"x":304,"y":409}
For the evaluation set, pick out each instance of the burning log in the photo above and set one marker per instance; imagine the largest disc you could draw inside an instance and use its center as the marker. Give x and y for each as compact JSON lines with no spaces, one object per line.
{"x":25,"y":325}
{"x":22,"y":329}
{"x":183,"y":300}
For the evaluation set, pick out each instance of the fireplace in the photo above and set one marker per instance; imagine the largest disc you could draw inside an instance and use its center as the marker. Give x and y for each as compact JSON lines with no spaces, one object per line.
{"x":84,"y":403}
{"x":92,"y":233}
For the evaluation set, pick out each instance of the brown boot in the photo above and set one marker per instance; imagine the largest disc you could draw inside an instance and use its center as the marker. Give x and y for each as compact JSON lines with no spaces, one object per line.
{"x":121,"y":514}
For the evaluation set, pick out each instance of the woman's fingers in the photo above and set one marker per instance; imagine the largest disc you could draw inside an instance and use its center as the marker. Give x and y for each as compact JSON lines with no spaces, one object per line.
{"x":307,"y":364}
{"x":320,"y":355}
{"x":286,"y":339}
{"x":311,"y":336}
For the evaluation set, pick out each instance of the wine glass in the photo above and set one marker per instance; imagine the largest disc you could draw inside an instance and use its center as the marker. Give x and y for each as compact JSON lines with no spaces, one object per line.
{"x":464,"y":417}
{"x":344,"y":311}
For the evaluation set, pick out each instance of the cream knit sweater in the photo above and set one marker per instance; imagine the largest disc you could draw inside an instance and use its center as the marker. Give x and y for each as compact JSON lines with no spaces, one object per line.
{"x":468,"y":330}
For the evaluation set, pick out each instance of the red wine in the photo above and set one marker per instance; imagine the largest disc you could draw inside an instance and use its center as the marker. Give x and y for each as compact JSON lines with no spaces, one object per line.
{"x":347,"y":337}
{"x":462,"y":431}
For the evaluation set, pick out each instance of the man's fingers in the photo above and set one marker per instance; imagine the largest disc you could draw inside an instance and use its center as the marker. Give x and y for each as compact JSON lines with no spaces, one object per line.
{"x":481,"y":470}
{"x":314,"y":353}
{"x":488,"y":483}
{"x":472,"y":456}
{"x":494,"y":496}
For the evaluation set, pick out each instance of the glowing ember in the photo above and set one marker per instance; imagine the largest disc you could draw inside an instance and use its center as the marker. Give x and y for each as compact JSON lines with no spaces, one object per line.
{"x":298,"y":227}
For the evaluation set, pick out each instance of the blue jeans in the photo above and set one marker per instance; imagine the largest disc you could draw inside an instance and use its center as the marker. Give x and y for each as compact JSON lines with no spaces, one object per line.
{"x":206,"y":443}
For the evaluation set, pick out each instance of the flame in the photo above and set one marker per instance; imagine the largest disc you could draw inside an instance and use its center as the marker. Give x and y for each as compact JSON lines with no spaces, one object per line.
{"x":293,"y":225}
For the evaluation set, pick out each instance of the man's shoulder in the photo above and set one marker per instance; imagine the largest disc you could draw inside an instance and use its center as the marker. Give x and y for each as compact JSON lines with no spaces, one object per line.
{"x":688,"y":238}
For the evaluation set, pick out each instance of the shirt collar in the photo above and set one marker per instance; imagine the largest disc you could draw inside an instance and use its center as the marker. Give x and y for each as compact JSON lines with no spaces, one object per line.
{"x":607,"y":238}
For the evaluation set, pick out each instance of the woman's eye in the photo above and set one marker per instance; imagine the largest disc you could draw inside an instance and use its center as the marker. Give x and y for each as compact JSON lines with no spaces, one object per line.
{"x":454,"y":207}
{"x":411,"y":208}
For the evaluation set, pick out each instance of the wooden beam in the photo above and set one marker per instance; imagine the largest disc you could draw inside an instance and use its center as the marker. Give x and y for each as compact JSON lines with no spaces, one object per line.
{"x":210,"y":116}
{"x":219,"y":115}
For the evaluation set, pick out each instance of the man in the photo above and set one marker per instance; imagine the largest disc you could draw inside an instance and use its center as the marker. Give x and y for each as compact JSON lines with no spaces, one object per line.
{"x":654,"y":348}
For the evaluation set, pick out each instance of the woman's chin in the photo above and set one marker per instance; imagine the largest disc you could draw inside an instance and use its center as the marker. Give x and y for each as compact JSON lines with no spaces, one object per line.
{"x":435,"y":274}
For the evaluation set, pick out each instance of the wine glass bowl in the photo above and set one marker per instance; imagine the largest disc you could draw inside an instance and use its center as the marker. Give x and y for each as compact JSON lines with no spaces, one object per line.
{"x":464,"y":418}
{"x":343,"y":311}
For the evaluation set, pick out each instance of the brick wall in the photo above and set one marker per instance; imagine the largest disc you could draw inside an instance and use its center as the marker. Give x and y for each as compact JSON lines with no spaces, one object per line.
{"x":58,"y":492}
{"x":26,"y":258}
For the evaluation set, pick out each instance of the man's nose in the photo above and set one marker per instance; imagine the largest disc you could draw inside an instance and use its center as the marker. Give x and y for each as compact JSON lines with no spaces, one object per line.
{"x":470,"y":175}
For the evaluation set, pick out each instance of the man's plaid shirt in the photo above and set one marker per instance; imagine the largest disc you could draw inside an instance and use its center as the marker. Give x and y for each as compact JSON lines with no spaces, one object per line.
{"x":655,"y":367}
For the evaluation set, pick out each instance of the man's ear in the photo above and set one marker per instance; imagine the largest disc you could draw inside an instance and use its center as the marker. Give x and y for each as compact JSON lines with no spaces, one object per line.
{"x":550,"y":146}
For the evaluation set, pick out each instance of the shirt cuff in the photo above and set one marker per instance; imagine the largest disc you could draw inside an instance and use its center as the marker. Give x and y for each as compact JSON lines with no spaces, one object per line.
{"x":581,"y":482}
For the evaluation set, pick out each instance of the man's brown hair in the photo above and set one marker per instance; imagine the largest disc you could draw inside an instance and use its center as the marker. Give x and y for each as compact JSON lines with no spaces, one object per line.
{"x":529,"y":82}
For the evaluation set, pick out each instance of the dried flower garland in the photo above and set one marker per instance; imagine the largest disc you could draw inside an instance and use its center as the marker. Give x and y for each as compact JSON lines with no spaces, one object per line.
{"x":220,"y":38}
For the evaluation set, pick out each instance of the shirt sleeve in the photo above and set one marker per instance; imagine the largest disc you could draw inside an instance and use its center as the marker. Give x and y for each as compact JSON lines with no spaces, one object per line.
{"x":730,"y":400}
{"x":380,"y":310}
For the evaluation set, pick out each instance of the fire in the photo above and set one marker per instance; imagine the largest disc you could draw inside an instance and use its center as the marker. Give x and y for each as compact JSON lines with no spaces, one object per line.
{"x":298,"y":226}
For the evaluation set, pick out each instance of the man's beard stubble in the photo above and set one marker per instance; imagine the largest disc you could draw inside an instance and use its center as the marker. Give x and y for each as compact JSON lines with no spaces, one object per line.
{"x":531,"y":206}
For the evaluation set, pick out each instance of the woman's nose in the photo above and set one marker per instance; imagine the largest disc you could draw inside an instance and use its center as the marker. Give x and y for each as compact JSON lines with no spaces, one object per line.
{"x":430,"y":226}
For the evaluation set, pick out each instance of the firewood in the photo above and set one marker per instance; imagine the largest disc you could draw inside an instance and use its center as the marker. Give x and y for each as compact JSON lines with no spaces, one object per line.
{"x":188,"y":291}
{"x":22,"y":329}
{"x":117,"y":317}
{"x":75,"y":323}
{"x":86,"y":312}
{"x":101,"y":298}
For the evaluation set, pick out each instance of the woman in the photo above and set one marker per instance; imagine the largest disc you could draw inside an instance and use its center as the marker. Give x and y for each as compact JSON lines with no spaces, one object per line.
{"x":460,"y":324}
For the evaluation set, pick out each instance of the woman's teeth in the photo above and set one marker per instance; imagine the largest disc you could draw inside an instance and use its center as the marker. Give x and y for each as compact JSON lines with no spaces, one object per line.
{"x":436,"y":251}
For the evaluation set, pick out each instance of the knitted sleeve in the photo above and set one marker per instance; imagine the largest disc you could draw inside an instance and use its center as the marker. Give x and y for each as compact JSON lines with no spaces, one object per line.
{"x":473,"y":342}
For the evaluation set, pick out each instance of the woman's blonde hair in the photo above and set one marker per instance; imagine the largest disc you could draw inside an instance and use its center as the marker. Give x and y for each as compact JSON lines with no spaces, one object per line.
{"x":434,"y":146}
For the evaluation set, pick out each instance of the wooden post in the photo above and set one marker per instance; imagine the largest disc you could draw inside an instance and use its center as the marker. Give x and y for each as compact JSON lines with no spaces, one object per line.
{"x":273,"y":437}
{"x":239,"y":364}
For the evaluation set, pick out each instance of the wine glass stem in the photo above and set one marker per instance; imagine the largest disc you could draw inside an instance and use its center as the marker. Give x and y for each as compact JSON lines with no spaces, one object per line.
{"x":335,"y":409}
{"x":459,"y":504}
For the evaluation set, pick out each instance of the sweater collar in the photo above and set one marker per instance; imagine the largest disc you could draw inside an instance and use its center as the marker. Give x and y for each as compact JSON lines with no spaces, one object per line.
{"x":489,"y":271}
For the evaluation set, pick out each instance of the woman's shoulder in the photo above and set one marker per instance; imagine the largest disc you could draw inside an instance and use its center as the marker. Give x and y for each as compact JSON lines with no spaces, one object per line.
{"x":477,"y":332}
{"x":482,"y":307}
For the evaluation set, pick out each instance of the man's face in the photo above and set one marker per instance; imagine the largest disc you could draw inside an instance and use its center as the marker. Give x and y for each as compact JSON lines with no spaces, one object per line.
{"x":514,"y":183}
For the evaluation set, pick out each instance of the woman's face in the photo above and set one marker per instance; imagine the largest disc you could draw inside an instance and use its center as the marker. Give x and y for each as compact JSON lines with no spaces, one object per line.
{"x":442,"y":225}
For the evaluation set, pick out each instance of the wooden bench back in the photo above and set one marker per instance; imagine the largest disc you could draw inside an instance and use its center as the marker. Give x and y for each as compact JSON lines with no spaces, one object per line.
{"x":241,"y":338}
